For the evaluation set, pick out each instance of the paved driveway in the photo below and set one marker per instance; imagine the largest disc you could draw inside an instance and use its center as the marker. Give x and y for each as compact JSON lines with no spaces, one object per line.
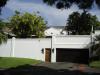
{"x":57,"y":66}
{"x":70,"y":66}
{"x":51,"y":69}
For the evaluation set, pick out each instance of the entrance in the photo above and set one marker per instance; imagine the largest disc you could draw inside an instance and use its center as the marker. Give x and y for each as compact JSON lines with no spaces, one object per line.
{"x":48,"y":55}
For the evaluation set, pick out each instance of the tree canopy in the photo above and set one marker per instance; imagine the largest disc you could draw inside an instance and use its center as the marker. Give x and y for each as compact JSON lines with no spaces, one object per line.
{"x":26,"y":25}
{"x":82,"y":4}
{"x":96,"y":46}
{"x":3,"y":37}
{"x":81,"y":24}
{"x":2,"y":4}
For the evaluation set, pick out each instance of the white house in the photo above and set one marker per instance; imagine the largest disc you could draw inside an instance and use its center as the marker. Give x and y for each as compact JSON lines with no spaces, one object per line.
{"x":55,"y":30}
{"x":56,"y":49}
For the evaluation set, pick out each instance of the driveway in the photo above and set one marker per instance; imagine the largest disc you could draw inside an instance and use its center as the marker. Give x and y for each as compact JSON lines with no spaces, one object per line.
{"x":57,"y":66}
{"x":70,"y":66}
{"x":51,"y":69}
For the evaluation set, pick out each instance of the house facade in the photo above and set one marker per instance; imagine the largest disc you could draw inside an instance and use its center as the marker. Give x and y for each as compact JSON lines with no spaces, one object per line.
{"x":56,"y":49}
{"x":60,"y":47}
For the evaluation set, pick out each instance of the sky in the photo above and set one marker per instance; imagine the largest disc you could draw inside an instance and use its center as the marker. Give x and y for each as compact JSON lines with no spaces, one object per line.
{"x":54,"y":16}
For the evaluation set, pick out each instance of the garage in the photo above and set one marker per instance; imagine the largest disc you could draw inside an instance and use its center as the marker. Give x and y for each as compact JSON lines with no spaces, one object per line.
{"x":72,"y":55}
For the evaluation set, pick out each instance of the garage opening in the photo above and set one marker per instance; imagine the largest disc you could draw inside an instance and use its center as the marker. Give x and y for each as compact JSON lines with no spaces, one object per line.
{"x":72,"y":55}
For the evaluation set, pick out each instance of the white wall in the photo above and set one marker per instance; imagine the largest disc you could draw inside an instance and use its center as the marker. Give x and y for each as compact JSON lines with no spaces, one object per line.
{"x":5,"y":49}
{"x":25,"y":48}
{"x":97,"y":32}
{"x":72,"y":41}
{"x":31,"y":48}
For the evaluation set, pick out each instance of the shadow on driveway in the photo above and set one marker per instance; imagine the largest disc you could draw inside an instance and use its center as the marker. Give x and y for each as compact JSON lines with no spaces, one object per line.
{"x":41,"y":70}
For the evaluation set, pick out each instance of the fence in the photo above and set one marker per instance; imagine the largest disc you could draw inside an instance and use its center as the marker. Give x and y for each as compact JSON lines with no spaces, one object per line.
{"x":35,"y":47}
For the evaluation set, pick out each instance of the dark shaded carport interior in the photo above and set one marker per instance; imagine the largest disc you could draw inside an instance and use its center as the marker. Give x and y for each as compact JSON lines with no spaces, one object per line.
{"x":72,"y":55}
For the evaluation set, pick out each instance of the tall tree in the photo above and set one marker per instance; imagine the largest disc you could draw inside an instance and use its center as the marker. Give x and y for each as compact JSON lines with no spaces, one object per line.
{"x":2,"y":4}
{"x":25,"y":25}
{"x":81,"y":24}
{"x":73,"y":24}
{"x":96,"y":46}
{"x":82,"y":4}
{"x":3,"y":36}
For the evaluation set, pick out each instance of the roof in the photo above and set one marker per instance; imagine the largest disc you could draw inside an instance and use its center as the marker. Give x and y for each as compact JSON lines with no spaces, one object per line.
{"x":57,"y":27}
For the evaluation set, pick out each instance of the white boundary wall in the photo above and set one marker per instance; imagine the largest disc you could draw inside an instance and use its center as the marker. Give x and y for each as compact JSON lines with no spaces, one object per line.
{"x":32,"y":48}
{"x":25,"y":48}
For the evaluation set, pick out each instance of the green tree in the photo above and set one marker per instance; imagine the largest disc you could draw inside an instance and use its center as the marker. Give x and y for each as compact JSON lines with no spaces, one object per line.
{"x":3,"y":36}
{"x":98,"y":24}
{"x":25,"y":25}
{"x":73,"y":25}
{"x":96,"y":47}
{"x":81,"y":24}
{"x":82,"y":4}
{"x":2,"y":4}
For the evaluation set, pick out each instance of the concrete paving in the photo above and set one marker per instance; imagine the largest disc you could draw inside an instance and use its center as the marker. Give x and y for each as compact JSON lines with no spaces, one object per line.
{"x":59,"y":65}
{"x":70,"y":66}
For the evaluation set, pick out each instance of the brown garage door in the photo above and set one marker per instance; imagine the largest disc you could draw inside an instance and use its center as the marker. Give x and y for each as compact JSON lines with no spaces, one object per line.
{"x":72,"y":55}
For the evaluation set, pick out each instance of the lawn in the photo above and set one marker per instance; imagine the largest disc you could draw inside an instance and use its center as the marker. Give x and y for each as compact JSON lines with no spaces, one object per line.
{"x":95,"y":64}
{"x":9,"y":62}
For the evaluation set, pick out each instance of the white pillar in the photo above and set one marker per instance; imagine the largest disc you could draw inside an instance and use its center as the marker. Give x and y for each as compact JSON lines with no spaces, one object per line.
{"x":44,"y":54}
{"x":53,"y":51}
{"x":53,"y":57}
{"x":12,"y":46}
